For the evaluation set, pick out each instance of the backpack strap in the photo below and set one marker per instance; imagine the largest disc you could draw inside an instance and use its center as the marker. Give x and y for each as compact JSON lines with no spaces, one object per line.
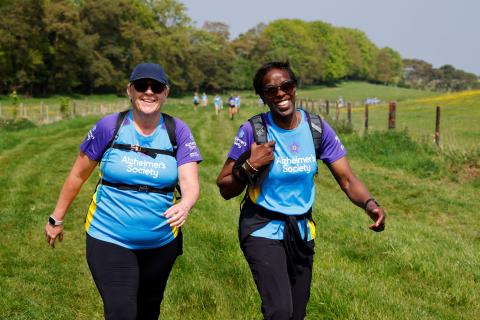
{"x":259,"y":128}
{"x":120,"y":119}
{"x":170,"y":126}
{"x":148,"y":151}
{"x":316,"y":127}
{"x":139,"y":188}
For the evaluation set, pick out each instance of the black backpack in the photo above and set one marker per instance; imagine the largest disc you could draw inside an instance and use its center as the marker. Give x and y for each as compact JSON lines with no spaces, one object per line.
{"x":170,"y":126}
{"x":314,"y":122}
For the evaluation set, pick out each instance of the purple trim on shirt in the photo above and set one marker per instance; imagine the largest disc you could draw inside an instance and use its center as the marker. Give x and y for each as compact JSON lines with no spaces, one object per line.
{"x":332,"y":147}
{"x":242,"y":141}
{"x":98,"y":137}
{"x":102,"y":133}
{"x":187,"y":148}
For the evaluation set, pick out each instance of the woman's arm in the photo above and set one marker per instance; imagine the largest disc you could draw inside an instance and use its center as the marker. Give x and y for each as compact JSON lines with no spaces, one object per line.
{"x":190,"y":188}
{"x":81,"y":171}
{"x":357,"y":192}
{"x":229,"y":186}
{"x":260,"y":156}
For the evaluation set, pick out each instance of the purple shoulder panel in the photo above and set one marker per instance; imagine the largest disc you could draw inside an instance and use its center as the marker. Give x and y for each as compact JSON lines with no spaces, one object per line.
{"x":187,"y":147}
{"x":333,"y":148}
{"x":99,"y":136}
{"x":242,"y":141}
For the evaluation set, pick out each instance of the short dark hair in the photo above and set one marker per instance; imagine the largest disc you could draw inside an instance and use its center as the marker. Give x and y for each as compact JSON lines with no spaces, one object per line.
{"x":265,"y":68}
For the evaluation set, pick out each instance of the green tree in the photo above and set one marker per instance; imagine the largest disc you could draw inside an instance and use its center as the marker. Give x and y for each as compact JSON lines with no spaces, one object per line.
{"x":388,"y":66}
{"x":22,"y":46}
{"x":214,"y":59}
{"x":64,"y":58}
{"x":360,"y":53}
{"x":290,"y":40}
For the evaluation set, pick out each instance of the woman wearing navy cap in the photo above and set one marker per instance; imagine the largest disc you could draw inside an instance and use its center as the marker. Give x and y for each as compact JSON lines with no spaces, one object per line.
{"x":276,"y":228}
{"x":134,"y":219}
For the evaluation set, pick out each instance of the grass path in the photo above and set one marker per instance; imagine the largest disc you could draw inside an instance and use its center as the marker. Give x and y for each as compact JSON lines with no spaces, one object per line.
{"x":424,"y":266}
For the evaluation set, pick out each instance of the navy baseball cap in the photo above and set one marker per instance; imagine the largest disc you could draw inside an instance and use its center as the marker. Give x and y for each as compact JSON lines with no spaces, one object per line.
{"x":148,"y":70}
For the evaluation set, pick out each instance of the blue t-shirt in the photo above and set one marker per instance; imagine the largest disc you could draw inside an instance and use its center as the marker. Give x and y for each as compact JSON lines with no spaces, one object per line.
{"x":129,"y":218}
{"x":289,"y":187}
{"x":218,"y":101}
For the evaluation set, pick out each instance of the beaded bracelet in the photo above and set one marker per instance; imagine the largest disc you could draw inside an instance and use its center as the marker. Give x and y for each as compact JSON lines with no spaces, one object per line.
{"x":250,"y":165}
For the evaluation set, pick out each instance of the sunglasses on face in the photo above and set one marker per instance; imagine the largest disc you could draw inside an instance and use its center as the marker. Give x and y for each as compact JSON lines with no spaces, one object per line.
{"x":143,"y":85}
{"x":286,"y":86}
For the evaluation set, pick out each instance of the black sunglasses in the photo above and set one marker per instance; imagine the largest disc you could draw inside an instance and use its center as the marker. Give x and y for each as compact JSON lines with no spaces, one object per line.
{"x":142,"y":86}
{"x":286,"y":86}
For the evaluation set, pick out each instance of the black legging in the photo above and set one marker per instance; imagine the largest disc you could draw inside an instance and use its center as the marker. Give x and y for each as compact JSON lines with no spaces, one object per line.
{"x":284,"y":297}
{"x":131,"y":282}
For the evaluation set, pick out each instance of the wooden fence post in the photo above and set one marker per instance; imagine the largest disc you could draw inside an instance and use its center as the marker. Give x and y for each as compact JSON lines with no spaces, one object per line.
{"x":349,"y":114}
{"x":46,"y":114}
{"x":327,"y":107}
{"x":23,"y":110}
{"x":437,"y":127}
{"x":337,"y":111}
{"x":366,"y":116}
{"x":392,"y":115}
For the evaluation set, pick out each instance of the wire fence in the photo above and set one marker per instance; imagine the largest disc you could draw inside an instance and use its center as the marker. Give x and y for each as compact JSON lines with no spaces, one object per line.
{"x":47,"y":113}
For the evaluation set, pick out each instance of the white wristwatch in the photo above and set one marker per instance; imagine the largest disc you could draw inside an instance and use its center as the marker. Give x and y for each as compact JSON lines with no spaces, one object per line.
{"x":54,"y":222}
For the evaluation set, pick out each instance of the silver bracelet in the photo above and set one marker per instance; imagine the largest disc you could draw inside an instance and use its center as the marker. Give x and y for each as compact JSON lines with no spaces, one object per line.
{"x":250,"y":165}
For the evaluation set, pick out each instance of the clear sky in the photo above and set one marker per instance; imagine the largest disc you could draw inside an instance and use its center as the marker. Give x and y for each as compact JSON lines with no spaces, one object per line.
{"x":437,"y":31}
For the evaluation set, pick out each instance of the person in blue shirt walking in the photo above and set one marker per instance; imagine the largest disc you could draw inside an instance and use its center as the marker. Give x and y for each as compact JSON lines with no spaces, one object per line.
{"x":204,"y":100}
{"x":217,"y":101}
{"x":276,"y":230}
{"x":231,"y":107}
{"x":237,"y":103}
{"x":133,"y":223}
{"x":196,"y":101}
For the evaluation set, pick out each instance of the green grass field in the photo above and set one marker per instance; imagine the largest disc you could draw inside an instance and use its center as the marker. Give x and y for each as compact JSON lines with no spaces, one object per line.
{"x":426,"y":265}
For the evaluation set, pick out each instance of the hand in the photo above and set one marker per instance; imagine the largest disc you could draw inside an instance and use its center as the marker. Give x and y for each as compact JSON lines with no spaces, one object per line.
{"x":52,"y":233}
{"x":261,"y":154}
{"x":378,"y":215}
{"x":177,"y":214}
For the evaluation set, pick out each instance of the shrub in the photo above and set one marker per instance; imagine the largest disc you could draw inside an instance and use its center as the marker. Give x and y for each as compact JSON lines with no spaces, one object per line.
{"x":65,"y":108}
{"x":396,"y":149}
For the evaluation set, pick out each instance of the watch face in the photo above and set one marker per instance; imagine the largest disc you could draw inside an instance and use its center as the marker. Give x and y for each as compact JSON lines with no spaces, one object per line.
{"x":51,"y":221}
{"x":54,"y":222}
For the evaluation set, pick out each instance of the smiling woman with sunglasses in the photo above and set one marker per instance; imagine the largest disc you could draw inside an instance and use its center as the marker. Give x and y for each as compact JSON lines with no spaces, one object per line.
{"x":133,"y":222}
{"x":276,"y":229}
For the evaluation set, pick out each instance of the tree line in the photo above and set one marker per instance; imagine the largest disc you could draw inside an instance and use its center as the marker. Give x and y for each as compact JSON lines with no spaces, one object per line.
{"x":420,"y":74}
{"x":90,"y":46}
